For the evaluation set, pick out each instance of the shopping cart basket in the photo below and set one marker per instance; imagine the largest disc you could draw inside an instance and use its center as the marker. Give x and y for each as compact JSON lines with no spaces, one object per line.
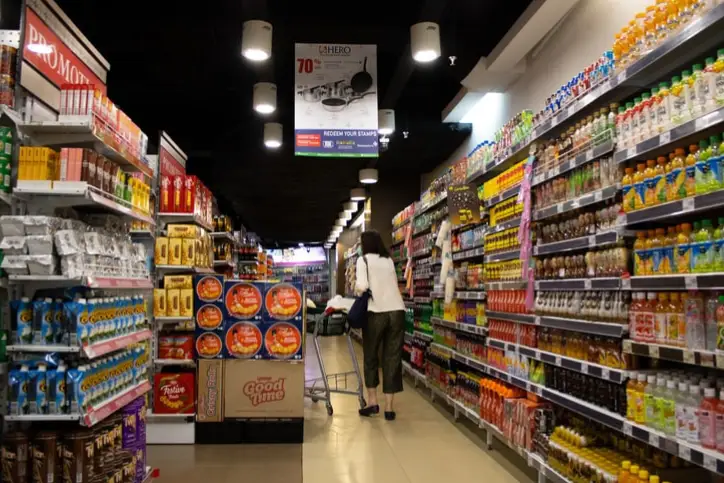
{"x":320,"y":388}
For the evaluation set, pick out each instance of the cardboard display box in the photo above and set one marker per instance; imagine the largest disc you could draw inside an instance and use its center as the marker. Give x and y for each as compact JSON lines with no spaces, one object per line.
{"x":263,"y":389}
{"x":210,"y":392}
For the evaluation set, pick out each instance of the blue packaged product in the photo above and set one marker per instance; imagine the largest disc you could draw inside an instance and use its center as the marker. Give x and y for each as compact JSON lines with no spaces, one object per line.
{"x":77,"y":389}
{"x":76,"y":315}
{"x":59,"y":330}
{"x":22,"y":319}
{"x":18,"y":391}
{"x":43,"y":321}
{"x":37,"y":390}
{"x":283,"y":302}
{"x":244,"y":300}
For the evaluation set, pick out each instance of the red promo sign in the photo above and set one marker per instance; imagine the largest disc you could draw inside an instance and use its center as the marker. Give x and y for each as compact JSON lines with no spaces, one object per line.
{"x":60,"y":65}
{"x":169,"y":165}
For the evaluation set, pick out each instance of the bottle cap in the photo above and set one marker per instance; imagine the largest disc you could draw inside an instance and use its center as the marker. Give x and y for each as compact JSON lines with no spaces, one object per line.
{"x":686,"y":73}
{"x":697,"y":67}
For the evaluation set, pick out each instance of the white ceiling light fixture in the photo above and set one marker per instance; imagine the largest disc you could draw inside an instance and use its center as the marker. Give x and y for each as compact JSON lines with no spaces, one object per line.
{"x":386,"y":121}
{"x":350,"y":206}
{"x":256,"y":40}
{"x":368,"y":176}
{"x":357,"y":194}
{"x":425,"y":41}
{"x":265,"y":97}
{"x":340,"y":223}
{"x":346,"y":216}
{"x":272,"y":135}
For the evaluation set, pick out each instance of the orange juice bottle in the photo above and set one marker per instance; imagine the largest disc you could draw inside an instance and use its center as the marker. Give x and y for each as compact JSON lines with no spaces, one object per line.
{"x":660,"y":180}
{"x":643,"y":477}
{"x":639,"y":186}
{"x":634,"y":474}
{"x":683,"y":249}
{"x":650,"y":181}
{"x":625,"y":471}
{"x":678,"y":175}
{"x":658,"y":253}
{"x":649,"y":250}
{"x":629,"y":195}
{"x":631,"y":387}
{"x":690,"y":167}
{"x":670,"y":249}
{"x":639,"y":254}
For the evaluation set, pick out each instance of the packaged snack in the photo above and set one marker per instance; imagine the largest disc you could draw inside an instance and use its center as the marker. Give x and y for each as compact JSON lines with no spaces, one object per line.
{"x":161,"y":252}
{"x":283,"y":301}
{"x":244,"y":300}
{"x":208,"y":288}
{"x":159,"y":302}
{"x":188,"y":253}
{"x":208,"y":345}
{"x":283,"y":340}
{"x":174,"y":251}
{"x":244,"y":340}
{"x":178,"y":281}
{"x":17,"y":394}
{"x":174,"y":393}
{"x":182,"y":231}
{"x":173,"y":308}
{"x":187,"y":302}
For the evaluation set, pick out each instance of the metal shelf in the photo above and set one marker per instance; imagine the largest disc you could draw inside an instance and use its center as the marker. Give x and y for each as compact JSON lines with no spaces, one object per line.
{"x":675,"y":135}
{"x":602,"y":283}
{"x":509,"y":193}
{"x":593,"y":197}
{"x":580,"y":243}
{"x":431,"y":204}
{"x":579,"y":160}
{"x":166,"y":218}
{"x":174,"y":362}
{"x":224,"y":236}
{"x":701,"y":281}
{"x":503,"y":256}
{"x":470,"y":295}
{"x":516,"y":285}
{"x":520,"y":318}
{"x":584,"y":367}
{"x":677,"y":354}
{"x":505,"y":225}
{"x":183,"y":268}
{"x":422,"y":336}
{"x":607,"y":329}
{"x":472,"y":329}
{"x":675,"y":209}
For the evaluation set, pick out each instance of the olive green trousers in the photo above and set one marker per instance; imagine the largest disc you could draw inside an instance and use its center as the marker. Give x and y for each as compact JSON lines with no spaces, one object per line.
{"x":386,"y":331}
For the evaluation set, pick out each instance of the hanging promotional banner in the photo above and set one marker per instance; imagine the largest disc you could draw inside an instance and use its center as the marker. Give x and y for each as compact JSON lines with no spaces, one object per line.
{"x":335,"y":107}
{"x":463,"y":204}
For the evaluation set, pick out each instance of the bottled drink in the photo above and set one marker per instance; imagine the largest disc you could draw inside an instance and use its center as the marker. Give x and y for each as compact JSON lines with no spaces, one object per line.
{"x":659,"y":394}
{"x":707,"y":418}
{"x":649,"y":401}
{"x":693,"y":403}
{"x":672,"y":320}
{"x":682,"y":412}
{"x":669,"y":409}
{"x":719,"y":420}
{"x":625,"y":471}
{"x":720,"y":324}
{"x":660,"y":317}
{"x":640,"y":414}
{"x":631,"y":389}
{"x":695,"y":338}
{"x":710,"y":321}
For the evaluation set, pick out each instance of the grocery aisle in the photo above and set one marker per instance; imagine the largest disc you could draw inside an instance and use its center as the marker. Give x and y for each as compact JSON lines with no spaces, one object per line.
{"x":347,"y":449}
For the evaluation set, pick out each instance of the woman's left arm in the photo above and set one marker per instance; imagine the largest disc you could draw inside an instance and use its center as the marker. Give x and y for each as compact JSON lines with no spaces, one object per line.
{"x":362,"y":284}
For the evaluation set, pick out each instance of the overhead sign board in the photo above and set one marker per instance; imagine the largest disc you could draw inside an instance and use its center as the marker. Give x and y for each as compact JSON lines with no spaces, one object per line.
{"x":335,"y":107}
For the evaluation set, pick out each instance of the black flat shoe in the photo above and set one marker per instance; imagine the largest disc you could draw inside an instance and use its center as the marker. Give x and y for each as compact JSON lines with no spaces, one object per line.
{"x":370,"y":410}
{"x":390,"y":415}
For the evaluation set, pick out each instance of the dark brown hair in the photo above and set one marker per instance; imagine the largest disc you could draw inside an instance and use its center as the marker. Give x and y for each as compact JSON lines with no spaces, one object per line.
{"x":371,"y":242}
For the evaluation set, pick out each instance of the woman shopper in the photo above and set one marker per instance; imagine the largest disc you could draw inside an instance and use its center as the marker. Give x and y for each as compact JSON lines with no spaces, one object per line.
{"x":385,"y":323}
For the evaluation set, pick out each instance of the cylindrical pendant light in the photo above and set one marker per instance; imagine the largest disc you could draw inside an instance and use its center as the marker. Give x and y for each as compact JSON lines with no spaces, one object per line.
{"x":368,"y":176}
{"x":386,"y":121}
{"x":357,"y":194}
{"x":265,"y":97}
{"x":425,"y":41}
{"x":256,"y":40}
{"x":272,"y":135}
{"x":350,"y":206}
{"x":343,"y":215}
{"x":339,"y":223}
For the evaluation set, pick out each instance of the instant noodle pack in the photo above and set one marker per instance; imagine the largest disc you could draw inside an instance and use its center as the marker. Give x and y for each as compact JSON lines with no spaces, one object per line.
{"x":238,"y":319}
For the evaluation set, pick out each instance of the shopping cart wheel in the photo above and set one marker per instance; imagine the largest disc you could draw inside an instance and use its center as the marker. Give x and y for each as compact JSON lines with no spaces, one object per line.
{"x":330,"y":411}
{"x":315,"y":400}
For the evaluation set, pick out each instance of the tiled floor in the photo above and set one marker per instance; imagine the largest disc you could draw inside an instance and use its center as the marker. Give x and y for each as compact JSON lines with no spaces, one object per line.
{"x":422,"y":446}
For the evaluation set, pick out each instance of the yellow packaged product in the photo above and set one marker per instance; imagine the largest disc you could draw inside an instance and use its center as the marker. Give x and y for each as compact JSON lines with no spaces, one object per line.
{"x":178,"y":281}
{"x":161,"y":251}
{"x":174,"y":251}
{"x":182,"y":231}
{"x":159,"y":302}
{"x":174,"y":302}
{"x":188,"y":253}
{"x":187,"y":302}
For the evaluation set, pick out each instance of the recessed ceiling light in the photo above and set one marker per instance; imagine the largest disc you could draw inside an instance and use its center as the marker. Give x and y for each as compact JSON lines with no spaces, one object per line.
{"x":386,"y":121}
{"x":272,"y":135}
{"x":368,"y":176}
{"x":265,"y":97}
{"x":357,"y":194}
{"x":256,"y":40}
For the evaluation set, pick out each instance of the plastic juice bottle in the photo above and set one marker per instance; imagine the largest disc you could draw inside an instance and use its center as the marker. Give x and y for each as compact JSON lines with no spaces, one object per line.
{"x":704,"y":249}
{"x":719,"y":421}
{"x":640,"y":412}
{"x":698,"y":100}
{"x":687,"y":84}
{"x":636,"y":121}
{"x":695,"y":337}
{"x":649,"y":404}
{"x":653,"y":111}
{"x":659,"y":393}
{"x":682,"y":412}
{"x":663,"y":113}
{"x":631,"y":389}
{"x":678,"y":175}
{"x":714,"y":181}
{"x":683,"y":329}
{"x":634,"y":471}
{"x":639,"y":186}
{"x":690,"y":168}
{"x":660,"y":315}
{"x":718,"y":236}
{"x":656,"y":247}
{"x":629,"y":195}
{"x":710,"y":325}
{"x":672,"y":320}
{"x":694,"y":243}
{"x":641,"y":255}
{"x":694,"y":401}
{"x":701,"y":173}
{"x":672,"y":17}
{"x":660,"y":180}
{"x":683,"y":249}
{"x":677,"y":101}
{"x":709,"y":84}
{"x":624,"y":472}
{"x":669,"y":249}
{"x":633,"y":318}
{"x":643,"y":477}
{"x":651,"y":181}
{"x":626,"y":133}
{"x":620,"y":116}
{"x":718,"y":83}
{"x":669,"y":408}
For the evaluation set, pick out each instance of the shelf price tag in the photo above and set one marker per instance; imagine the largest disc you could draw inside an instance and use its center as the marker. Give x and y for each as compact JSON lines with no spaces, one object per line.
{"x":687,"y":204}
{"x":654,"y":351}
{"x":627,"y":346}
{"x":627,"y":429}
{"x":555,"y":171}
{"x":654,"y":440}
{"x":710,"y":463}
{"x":598,"y":196}
{"x":605,"y":374}
{"x":589,"y":155}
{"x":626,"y":284}
{"x":720,"y":361}
{"x":684,"y":452}
{"x":587,"y":284}
{"x":558,"y":361}
{"x":631,"y":152}
{"x":700,"y":123}
{"x":537,"y":319}
{"x":665,"y":138}
{"x":621,"y":78}
{"x":591,"y":240}
{"x":690,"y":283}
{"x":584,"y":368}
{"x":689,"y":357}
{"x":571,"y":109}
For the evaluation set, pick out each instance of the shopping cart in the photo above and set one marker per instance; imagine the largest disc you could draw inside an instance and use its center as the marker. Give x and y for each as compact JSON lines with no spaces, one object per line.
{"x":320,"y":388}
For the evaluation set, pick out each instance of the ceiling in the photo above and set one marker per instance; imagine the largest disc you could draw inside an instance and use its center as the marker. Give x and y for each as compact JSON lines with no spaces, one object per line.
{"x":179,"y":69}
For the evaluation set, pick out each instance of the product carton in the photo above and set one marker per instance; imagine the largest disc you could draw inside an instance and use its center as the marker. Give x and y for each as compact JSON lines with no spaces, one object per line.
{"x":244,"y":300}
{"x":210,"y":376}
{"x":243,"y":340}
{"x":263,"y":389}
{"x":283,"y":302}
{"x":174,"y":393}
{"x":208,"y":308}
{"x":283,"y":340}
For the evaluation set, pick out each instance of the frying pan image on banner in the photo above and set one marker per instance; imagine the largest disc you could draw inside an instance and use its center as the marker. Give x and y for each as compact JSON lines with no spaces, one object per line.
{"x":361,"y":81}
{"x":336,"y":104}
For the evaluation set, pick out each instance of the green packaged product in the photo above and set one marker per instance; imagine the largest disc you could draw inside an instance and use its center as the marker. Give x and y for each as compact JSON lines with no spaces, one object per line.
{"x":5,"y":178}
{"x":6,"y":141}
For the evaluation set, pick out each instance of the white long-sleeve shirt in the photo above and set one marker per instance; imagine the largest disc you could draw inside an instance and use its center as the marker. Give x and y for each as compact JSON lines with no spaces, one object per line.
{"x":382,"y":282}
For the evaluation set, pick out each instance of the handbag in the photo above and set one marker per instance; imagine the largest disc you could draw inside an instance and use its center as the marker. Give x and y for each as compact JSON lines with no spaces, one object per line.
{"x":357,"y":315}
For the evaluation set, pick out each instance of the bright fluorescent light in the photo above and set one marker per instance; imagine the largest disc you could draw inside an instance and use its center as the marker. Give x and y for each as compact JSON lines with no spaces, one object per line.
{"x":272,"y":144}
{"x":368,"y":176}
{"x":40,"y":48}
{"x":264,"y":108}
{"x":301,"y":245}
{"x":425,"y":56}
{"x":255,"y":54}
